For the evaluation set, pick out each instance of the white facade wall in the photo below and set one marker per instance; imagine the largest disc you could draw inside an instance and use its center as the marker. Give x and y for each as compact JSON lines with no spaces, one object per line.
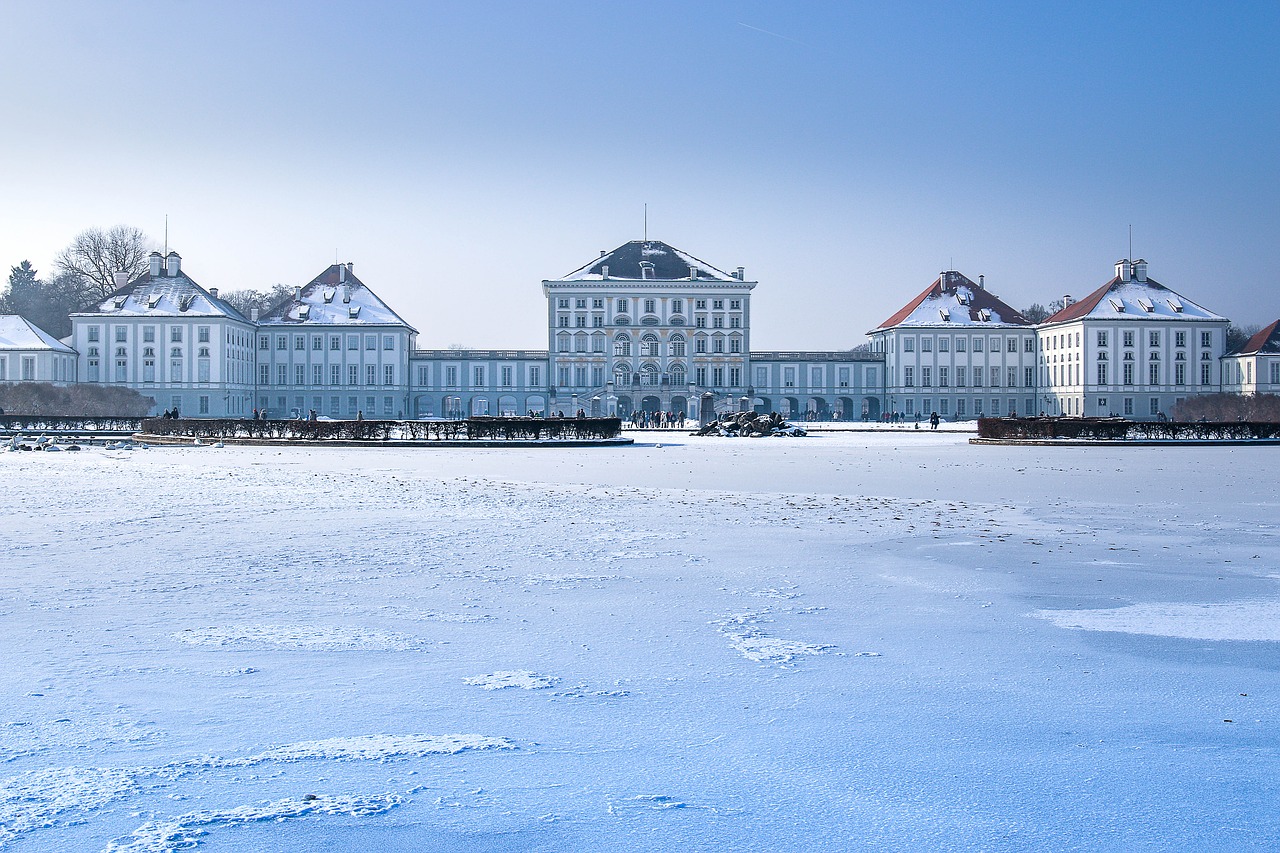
{"x":340,"y":371}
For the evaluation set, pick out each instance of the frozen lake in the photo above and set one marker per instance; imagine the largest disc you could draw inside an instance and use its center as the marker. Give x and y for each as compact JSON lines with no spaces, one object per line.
{"x":859,"y":641}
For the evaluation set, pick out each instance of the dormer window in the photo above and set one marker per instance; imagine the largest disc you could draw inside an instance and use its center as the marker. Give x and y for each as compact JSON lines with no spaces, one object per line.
{"x":1176,"y":304}
{"x":153,"y":300}
{"x":1117,"y":304}
{"x":945,"y":315}
{"x":1147,"y":304}
{"x":984,"y":315}
{"x":119,"y":302}
{"x":962,"y":296}
{"x":353,"y":312}
{"x":304,"y":312}
{"x":646,"y":269}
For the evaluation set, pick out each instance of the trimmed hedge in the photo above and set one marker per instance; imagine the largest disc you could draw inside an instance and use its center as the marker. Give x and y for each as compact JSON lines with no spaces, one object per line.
{"x":1118,"y":429}
{"x":371,"y":430}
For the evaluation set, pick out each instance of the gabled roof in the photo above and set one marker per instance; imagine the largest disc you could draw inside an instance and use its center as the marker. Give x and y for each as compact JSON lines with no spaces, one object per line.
{"x":1134,"y":299}
{"x":165,"y":296}
{"x":333,"y":298}
{"x":955,"y":300}
{"x":1265,"y":342}
{"x":17,"y":333}
{"x":668,"y":264}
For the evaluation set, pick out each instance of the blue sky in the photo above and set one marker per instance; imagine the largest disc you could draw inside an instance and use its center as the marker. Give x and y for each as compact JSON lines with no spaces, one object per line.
{"x":843,"y":153}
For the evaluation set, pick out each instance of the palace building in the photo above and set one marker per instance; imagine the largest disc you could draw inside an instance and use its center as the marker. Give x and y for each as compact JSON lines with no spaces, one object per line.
{"x":645,"y":326}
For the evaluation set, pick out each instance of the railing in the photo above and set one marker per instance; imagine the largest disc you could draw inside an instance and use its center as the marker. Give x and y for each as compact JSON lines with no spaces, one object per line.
{"x":479,"y":428}
{"x":1118,"y":429}
{"x":63,"y":423}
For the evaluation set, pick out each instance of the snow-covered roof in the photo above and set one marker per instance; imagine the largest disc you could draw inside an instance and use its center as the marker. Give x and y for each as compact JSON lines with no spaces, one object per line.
{"x":333,"y":298}
{"x":16,"y":333}
{"x":1134,"y":299}
{"x":164,"y":295}
{"x":1265,"y":342}
{"x":955,"y":300}
{"x":665,"y":263}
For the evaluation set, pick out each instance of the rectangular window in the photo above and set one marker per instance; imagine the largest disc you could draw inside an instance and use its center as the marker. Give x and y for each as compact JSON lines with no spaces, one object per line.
{"x":700,"y":376}
{"x":1102,"y":338}
{"x":908,"y":344}
{"x":909,"y":377}
{"x":1153,"y":338}
{"x":944,"y":376}
{"x":353,"y":342}
{"x":699,"y":322}
{"x":944,"y":344}
{"x":149,"y":334}
{"x":353,"y":374}
{"x":370,"y":341}
{"x":299,"y":342}
{"x":926,"y":344}
{"x":1012,"y":377}
{"x":995,"y":377}
{"x":478,"y":376}
{"x":1028,"y":344}
{"x":735,"y":376}
{"x":282,"y":342}
{"x":1128,"y":341}
{"x":451,"y":377}
{"x":122,"y":334}
{"x":789,"y":377}
{"x":563,"y":373}
{"x":1275,"y":373}
{"x":961,"y":343}
{"x":815,"y":377}
{"x":371,"y":374}
{"x":944,"y":406}
{"x":717,"y":376}
{"x":423,"y":375}
{"x":282,"y":374}
{"x":264,"y":374}
{"x":300,"y":374}
{"x":977,"y":374}
{"x":598,"y":304}
{"x":1206,"y":339}
{"x":202,"y":335}
{"x":926,"y":377}
{"x":506,"y":377}
{"x":717,"y":304}
{"x":335,"y":342}
{"x":1205,"y":376}
{"x":1153,"y":373}
{"x":317,"y":374}
{"x":762,"y":377}
{"x":1180,"y":373}
{"x":1102,"y":373}
{"x":335,"y":374}
{"x":94,"y":332}
{"x":960,"y":376}
{"x":960,"y":411}
{"x":700,"y":345}
{"x":977,"y":344}
{"x":535,"y":375}
{"x":388,"y":374}
{"x":1179,"y":339}
{"x":1012,"y":345}
{"x":317,"y":342}
{"x":1128,"y":376}
{"x":1155,"y":405}
{"x":844,"y":377}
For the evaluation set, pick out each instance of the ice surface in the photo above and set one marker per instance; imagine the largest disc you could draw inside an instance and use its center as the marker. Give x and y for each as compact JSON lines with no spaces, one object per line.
{"x":862,"y":641}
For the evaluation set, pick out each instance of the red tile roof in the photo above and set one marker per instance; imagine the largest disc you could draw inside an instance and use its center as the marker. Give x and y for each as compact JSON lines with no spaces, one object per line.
{"x":980,"y":299}
{"x":1265,"y":341}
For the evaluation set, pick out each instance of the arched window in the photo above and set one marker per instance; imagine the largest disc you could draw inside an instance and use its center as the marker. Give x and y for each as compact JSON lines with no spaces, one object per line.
{"x":649,"y":374}
{"x":621,"y":375}
{"x":649,"y":346}
{"x":678,"y":375}
{"x":677,"y":345}
{"x":622,"y":346}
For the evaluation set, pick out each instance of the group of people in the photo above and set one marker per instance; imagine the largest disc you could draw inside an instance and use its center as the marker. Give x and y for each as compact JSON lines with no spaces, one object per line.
{"x":171,"y":414}
{"x":641,"y":419}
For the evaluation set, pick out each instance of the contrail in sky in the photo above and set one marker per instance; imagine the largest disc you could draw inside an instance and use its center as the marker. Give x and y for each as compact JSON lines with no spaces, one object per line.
{"x":775,"y":35}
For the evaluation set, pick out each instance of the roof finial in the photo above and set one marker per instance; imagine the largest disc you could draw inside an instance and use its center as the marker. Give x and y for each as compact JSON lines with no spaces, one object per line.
{"x":646,"y":222}
{"x":166,"y":235}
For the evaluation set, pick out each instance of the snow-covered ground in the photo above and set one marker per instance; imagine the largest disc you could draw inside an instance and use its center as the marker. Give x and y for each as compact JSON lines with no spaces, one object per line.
{"x":859,"y":641}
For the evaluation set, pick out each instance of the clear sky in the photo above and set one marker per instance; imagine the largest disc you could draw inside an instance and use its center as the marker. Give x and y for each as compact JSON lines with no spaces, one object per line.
{"x":844,"y":153}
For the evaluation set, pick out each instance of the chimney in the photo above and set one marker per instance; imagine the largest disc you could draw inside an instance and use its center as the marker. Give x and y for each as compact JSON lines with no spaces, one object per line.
{"x":604,"y":271}
{"x":1140,"y":269}
{"x":603,"y":253}
{"x":350,"y":267}
{"x":297,"y":292}
{"x":253,"y":314}
{"x":213,"y":291}
{"x":742,"y":274}
{"x":1067,"y":300}
{"x":693,"y":272}
{"x":157,"y":261}
{"x":1124,"y":269}
{"x":121,"y":279}
{"x":173,"y":264}
{"x":342,"y":273}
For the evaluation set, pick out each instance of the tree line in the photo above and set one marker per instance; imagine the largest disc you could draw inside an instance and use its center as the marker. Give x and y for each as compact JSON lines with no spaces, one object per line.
{"x":83,"y":275}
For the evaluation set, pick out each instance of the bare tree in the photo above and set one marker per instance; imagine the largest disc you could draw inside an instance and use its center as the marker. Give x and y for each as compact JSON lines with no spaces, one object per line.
{"x":1037,"y":313}
{"x":1238,"y":336}
{"x":246,"y":300}
{"x":95,"y":256}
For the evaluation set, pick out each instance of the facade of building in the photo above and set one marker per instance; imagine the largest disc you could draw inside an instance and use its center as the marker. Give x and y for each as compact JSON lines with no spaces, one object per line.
{"x":1255,"y":367}
{"x":168,"y":338}
{"x":336,"y":349}
{"x":30,"y":354}
{"x":1133,"y":348}
{"x":958,"y":350}
{"x":646,"y":326}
